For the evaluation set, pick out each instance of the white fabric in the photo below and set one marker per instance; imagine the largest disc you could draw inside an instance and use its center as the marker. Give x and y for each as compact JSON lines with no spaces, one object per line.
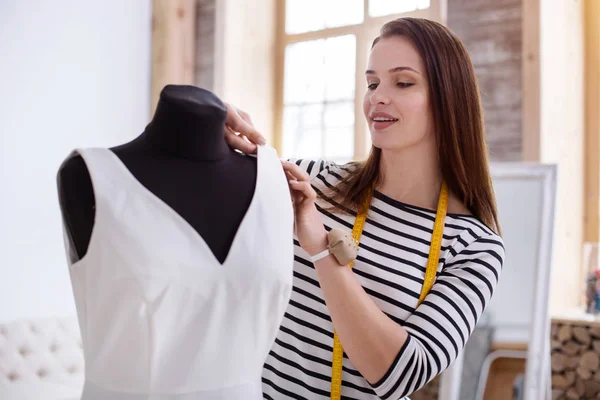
{"x":160,"y":317}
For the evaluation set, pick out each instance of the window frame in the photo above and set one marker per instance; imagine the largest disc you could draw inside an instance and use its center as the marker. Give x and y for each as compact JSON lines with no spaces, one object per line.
{"x":364,"y":33}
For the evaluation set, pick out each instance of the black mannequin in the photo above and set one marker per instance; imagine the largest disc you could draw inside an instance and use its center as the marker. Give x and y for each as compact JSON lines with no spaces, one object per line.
{"x":182,"y":158}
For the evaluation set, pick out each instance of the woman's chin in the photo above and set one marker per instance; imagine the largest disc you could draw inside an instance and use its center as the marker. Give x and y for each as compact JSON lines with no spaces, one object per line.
{"x":394,"y":141}
{"x":382,"y":141}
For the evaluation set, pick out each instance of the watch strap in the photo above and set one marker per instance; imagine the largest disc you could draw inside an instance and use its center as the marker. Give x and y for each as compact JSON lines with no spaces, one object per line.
{"x":320,"y":256}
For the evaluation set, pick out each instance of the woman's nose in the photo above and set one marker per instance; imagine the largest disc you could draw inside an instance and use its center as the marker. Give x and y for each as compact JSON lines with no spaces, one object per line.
{"x":379,"y":96}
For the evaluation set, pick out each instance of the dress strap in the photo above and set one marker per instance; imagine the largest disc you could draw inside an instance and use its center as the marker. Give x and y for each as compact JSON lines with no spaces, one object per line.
{"x":102,"y":177}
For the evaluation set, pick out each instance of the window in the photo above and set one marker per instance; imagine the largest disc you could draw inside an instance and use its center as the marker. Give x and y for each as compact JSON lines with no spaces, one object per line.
{"x":323,"y":51}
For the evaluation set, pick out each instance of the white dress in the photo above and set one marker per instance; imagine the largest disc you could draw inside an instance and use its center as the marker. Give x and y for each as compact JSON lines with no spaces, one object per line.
{"x":161,"y":318}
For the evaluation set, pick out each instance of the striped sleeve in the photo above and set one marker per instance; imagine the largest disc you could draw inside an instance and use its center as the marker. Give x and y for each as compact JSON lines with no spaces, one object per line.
{"x":439,"y":328}
{"x":312,"y":167}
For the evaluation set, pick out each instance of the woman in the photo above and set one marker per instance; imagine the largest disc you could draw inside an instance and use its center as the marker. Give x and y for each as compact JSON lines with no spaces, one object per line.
{"x":425,"y":118}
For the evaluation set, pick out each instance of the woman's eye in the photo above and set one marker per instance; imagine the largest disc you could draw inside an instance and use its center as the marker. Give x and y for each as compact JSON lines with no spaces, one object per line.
{"x":372,"y":86}
{"x":404,"y":84}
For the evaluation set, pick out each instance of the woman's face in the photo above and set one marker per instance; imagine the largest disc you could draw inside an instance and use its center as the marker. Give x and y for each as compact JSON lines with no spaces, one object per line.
{"x":396,"y":103}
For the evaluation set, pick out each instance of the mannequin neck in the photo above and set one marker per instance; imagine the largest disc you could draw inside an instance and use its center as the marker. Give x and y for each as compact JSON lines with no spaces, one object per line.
{"x":189,"y":123}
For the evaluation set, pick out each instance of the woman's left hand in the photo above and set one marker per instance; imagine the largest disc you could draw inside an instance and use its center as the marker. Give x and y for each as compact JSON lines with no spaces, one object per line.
{"x":308,"y":224}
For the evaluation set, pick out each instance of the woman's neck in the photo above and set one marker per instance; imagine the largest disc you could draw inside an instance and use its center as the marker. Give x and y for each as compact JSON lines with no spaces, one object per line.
{"x":411,"y":176}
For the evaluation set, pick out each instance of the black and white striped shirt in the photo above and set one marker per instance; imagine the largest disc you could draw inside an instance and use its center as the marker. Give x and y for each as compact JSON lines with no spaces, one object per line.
{"x":390,"y":266}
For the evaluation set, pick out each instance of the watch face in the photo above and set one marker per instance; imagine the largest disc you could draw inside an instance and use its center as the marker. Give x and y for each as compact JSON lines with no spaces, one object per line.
{"x":343,"y":246}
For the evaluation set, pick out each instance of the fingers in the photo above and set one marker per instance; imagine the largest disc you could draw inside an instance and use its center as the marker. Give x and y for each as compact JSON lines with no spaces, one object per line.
{"x":305,"y":188}
{"x":299,"y":181}
{"x":255,"y":137}
{"x":245,"y":129}
{"x":245,"y":116}
{"x":294,"y":170}
{"x":233,"y":116}
{"x":241,"y":122}
{"x":238,"y":142}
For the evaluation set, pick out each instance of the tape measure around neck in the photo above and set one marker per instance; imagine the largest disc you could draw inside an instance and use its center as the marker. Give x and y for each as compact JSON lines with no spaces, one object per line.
{"x":430,"y":274}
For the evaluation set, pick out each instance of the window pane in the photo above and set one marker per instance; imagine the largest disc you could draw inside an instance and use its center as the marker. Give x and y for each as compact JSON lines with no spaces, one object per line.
{"x":423,"y":4}
{"x":339,"y":143}
{"x":310,"y":144}
{"x":302,"y":131}
{"x":304,"y":78}
{"x":319,"y":70}
{"x":311,"y":15}
{"x":339,"y":115}
{"x":340,"y":67}
{"x":379,"y":8}
{"x":342,"y":12}
{"x":339,"y":130}
{"x":312,"y":116}
{"x":291,"y":128}
{"x":303,"y":16}
{"x":319,"y":89}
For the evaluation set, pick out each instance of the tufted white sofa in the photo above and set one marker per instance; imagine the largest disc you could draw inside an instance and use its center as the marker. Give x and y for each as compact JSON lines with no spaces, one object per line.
{"x":41,"y":359}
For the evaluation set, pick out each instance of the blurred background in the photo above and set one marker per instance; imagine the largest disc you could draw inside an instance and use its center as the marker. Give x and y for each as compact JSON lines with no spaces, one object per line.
{"x":88,"y":73}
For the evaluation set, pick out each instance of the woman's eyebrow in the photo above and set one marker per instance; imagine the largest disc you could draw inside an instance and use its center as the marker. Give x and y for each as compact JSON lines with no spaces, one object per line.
{"x":396,"y":69}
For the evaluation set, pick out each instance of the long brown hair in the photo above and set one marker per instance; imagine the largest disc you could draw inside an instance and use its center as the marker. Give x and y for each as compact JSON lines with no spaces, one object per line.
{"x":458,"y":121}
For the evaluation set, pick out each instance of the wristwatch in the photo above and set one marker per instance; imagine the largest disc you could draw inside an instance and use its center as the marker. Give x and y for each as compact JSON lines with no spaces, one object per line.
{"x":321,"y":255}
{"x":341,"y":245}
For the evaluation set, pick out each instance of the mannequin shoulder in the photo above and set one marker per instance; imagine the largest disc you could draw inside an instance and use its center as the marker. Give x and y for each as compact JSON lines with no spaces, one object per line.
{"x":244,"y":160}
{"x":73,"y":179}
{"x":77,"y":203}
{"x":72,"y":170}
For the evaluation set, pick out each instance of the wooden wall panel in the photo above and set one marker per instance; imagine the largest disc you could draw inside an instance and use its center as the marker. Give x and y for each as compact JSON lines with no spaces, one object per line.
{"x":491,"y":31}
{"x":244,"y":65}
{"x":532,"y":81}
{"x":173,"y":44}
{"x":205,"y":44}
{"x":592,"y":121}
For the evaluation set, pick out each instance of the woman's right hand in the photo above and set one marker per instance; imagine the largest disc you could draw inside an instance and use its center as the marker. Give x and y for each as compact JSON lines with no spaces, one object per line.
{"x":240,"y":133}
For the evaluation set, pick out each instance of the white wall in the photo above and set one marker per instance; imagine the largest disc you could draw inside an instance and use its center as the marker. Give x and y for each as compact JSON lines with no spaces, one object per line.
{"x":72,"y":74}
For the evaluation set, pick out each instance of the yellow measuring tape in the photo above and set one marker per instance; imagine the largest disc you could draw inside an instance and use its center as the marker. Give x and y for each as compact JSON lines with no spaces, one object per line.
{"x":430,"y":274}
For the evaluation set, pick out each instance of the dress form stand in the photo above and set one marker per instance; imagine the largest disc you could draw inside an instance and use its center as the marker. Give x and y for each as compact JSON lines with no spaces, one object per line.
{"x":182,"y":158}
